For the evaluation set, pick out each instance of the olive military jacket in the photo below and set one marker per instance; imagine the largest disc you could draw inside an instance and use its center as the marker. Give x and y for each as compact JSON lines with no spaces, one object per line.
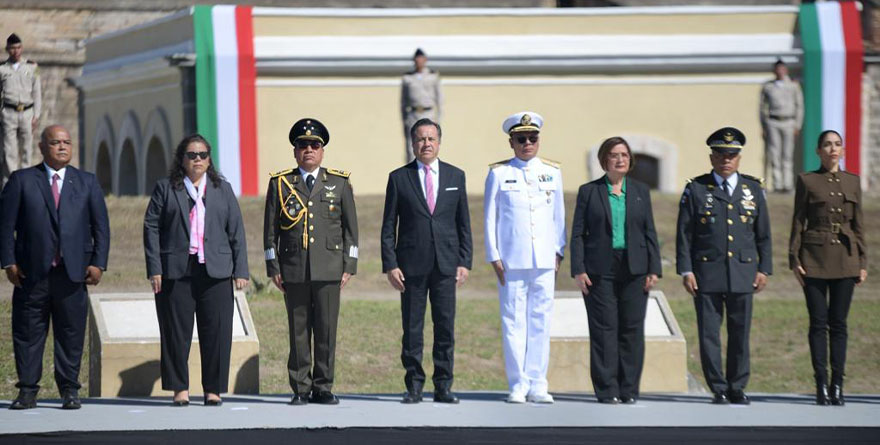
{"x":827,"y":237}
{"x":723,"y":239}
{"x":310,"y":236}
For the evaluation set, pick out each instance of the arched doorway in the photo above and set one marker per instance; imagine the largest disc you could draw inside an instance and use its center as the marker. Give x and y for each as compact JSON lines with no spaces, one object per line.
{"x":647,"y":170}
{"x":155,"y":164}
{"x":128,"y":176}
{"x":104,"y":168}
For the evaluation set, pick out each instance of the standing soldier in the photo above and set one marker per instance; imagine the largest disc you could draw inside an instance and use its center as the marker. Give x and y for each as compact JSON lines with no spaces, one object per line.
{"x":525,"y":241}
{"x":420,"y":97}
{"x":21,"y":99}
{"x":782,"y":114}
{"x":310,"y":235}
{"x":723,"y":255}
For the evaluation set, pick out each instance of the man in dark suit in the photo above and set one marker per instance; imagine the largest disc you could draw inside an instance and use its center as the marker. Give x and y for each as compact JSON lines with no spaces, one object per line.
{"x":723,"y":253}
{"x":427,"y":247}
{"x":54,"y":239}
{"x":310,"y":234}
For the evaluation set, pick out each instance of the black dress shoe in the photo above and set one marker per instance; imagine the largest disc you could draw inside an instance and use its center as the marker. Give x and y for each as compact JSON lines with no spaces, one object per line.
{"x":180,"y":403}
{"x":738,"y":397}
{"x":298,"y":400}
{"x":25,"y":400}
{"x":445,"y":396}
{"x":324,"y":398}
{"x":822,"y":394}
{"x":213,"y":402}
{"x":609,"y":400}
{"x":411,"y":397}
{"x":628,"y":400}
{"x":720,"y":398}
{"x":836,"y":395}
{"x":70,"y":399}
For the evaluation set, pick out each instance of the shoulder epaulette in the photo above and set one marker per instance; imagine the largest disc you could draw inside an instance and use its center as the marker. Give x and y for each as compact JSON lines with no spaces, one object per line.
{"x":754,"y":178}
{"x":690,"y":180}
{"x":281,"y":173}
{"x":551,"y":162}
{"x":499,"y":163}
{"x":341,"y":173}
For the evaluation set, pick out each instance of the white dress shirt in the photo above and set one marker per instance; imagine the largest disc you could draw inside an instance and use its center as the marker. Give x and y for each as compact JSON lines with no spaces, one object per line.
{"x":51,"y":172}
{"x":435,"y":172}
{"x":305,"y":175}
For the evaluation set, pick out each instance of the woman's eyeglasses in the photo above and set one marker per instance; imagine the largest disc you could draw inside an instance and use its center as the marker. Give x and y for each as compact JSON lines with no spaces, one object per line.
{"x":192,"y":155}
{"x":523,"y":139}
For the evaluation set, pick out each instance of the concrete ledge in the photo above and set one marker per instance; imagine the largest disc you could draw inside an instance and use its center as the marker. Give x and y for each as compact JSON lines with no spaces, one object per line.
{"x":124,"y":348}
{"x":665,"y":368}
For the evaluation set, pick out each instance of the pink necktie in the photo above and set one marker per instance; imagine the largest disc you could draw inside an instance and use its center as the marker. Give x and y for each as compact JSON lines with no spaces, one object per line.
{"x":57,"y":195}
{"x":429,"y":188}
{"x":55,"y":192}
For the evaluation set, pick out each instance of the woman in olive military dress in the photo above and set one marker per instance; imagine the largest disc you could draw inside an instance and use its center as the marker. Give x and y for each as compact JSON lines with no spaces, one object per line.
{"x":828,"y":256}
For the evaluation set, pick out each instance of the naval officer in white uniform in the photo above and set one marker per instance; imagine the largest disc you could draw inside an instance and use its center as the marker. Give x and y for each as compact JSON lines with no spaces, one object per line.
{"x":525,"y":238}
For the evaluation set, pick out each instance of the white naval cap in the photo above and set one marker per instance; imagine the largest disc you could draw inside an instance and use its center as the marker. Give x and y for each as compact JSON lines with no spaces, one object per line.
{"x":523,"y":121}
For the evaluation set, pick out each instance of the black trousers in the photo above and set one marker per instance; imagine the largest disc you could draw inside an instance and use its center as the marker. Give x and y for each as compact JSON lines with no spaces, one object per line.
{"x":413,"y":303}
{"x":616,"y":307}
{"x":211,"y":300}
{"x":828,"y":302}
{"x":62,"y":301}
{"x":710,"y":312}
{"x":312,"y":310}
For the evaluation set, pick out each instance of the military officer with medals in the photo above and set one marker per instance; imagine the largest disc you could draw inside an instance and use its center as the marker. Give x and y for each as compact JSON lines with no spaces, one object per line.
{"x":525,"y":240}
{"x":723,"y":253}
{"x":310,"y":236}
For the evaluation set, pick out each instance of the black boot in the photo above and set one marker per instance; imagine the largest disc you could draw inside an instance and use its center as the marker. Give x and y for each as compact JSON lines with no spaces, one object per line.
{"x":836,"y":391}
{"x":822,"y":392}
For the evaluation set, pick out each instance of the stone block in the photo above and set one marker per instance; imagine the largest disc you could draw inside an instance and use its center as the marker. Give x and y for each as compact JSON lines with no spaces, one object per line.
{"x":665,"y":368}
{"x":124,"y":348}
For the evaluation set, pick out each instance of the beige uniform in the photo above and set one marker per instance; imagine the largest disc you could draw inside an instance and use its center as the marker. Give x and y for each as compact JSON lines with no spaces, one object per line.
{"x":21,"y":101}
{"x":782,"y":114}
{"x":420,"y":97}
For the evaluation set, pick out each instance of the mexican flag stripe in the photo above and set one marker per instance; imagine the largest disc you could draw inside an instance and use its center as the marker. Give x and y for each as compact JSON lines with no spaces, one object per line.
{"x":225,"y":91}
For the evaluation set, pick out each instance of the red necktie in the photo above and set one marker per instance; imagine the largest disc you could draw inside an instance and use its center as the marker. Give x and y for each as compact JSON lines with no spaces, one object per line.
{"x":56,"y":193}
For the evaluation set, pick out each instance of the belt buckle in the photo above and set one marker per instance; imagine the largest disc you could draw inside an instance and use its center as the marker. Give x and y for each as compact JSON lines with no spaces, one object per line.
{"x":19,"y":108}
{"x":835,"y":228}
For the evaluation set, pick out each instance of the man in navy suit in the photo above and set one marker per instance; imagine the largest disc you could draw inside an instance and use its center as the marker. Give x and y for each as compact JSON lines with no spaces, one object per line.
{"x":427,"y":247}
{"x":54,"y":240}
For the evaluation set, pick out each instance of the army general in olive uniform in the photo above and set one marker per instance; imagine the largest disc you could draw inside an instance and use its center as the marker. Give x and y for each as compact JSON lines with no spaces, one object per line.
{"x":723,"y":253}
{"x":20,"y":99}
{"x":310,"y":237}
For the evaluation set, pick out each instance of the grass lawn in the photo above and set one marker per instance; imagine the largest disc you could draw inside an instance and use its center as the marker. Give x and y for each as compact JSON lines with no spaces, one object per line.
{"x":369,"y":338}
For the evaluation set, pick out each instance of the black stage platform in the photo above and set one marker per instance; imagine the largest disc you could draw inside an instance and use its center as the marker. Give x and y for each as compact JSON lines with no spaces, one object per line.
{"x":481,"y":418}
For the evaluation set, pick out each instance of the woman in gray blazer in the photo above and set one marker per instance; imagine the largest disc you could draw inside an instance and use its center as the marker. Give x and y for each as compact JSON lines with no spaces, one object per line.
{"x":195,"y":248}
{"x":615,"y":261}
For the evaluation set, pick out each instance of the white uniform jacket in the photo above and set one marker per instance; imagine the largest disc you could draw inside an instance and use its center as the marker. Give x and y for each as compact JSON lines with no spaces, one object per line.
{"x":525,"y":214}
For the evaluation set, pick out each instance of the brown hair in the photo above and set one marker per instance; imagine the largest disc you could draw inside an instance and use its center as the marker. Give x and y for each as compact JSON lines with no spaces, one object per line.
{"x":605,"y":150}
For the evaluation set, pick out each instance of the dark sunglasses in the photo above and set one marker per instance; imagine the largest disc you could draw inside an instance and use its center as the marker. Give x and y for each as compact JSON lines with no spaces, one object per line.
{"x":192,"y":155}
{"x":522,"y":139}
{"x":301,"y":144}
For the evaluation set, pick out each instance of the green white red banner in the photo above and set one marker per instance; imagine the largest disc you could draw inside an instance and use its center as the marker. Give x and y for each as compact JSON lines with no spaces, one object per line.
{"x":831,"y":35}
{"x":226,"y":91}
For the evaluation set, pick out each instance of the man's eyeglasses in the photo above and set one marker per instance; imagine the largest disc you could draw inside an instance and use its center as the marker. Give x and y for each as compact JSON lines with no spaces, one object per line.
{"x":523,"y":139}
{"x":192,"y":155}
{"x":315,"y":144}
